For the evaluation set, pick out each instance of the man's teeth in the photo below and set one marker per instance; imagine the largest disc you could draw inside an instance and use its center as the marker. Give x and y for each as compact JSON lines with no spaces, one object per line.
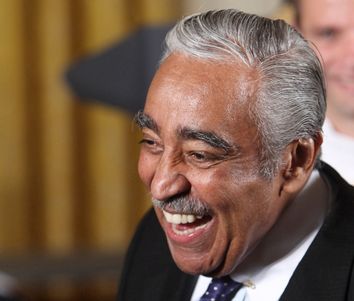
{"x":180,"y":218}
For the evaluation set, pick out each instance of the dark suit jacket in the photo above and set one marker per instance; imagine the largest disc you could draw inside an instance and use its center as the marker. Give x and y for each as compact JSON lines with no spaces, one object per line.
{"x":324,"y":274}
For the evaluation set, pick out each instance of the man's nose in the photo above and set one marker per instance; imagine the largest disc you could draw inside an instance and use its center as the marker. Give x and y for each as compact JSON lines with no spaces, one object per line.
{"x":168,"y":180}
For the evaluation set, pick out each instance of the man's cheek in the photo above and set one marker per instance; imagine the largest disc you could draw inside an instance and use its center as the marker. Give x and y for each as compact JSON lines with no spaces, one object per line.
{"x":146,"y":168}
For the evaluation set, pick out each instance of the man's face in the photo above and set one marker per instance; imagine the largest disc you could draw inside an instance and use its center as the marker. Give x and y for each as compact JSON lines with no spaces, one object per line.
{"x":329,"y":24}
{"x":200,"y":146}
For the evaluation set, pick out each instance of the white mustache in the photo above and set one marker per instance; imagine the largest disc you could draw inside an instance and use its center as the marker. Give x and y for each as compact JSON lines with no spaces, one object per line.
{"x":183,"y":205}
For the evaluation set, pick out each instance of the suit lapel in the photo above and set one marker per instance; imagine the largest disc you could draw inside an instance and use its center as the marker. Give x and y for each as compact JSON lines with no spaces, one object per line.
{"x":325,"y":271}
{"x":178,"y":286}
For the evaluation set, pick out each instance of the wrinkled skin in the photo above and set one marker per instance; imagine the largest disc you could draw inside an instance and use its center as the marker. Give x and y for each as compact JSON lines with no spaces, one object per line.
{"x":191,"y":95}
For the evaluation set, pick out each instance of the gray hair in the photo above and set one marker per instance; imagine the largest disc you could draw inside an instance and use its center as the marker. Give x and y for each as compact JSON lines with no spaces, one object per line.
{"x":290,"y":99}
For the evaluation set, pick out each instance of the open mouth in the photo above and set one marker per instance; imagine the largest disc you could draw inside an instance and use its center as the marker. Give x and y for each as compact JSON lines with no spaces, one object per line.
{"x":186,"y":224}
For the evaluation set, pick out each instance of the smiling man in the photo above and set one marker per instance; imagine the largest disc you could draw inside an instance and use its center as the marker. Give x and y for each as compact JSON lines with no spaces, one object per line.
{"x":329,"y":24}
{"x":231,"y":135}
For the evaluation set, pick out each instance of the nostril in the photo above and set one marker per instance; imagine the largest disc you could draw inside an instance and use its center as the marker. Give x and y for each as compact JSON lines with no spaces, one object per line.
{"x":168,"y":186}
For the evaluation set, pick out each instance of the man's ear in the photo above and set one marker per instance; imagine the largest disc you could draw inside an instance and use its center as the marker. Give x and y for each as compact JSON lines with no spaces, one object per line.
{"x":299,"y":159}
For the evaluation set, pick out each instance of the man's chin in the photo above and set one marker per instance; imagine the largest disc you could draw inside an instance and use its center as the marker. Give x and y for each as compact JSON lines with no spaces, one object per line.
{"x":193,"y":267}
{"x":199,"y":263}
{"x":200,"y":269}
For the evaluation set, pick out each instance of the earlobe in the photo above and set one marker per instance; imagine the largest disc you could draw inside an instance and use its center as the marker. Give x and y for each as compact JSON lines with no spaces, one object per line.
{"x":300,"y":157}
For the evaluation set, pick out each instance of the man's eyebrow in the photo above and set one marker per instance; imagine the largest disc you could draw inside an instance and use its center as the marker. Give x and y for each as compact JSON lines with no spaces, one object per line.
{"x":208,"y":137}
{"x":143,"y":120}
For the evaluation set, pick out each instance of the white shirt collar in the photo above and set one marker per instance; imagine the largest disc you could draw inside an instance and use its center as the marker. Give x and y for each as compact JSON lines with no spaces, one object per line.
{"x":337,"y":150}
{"x":267,"y":270}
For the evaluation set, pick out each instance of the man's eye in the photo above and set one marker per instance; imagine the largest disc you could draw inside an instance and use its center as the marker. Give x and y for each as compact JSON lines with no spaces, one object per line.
{"x":150,"y":145}
{"x":199,"y":156}
{"x":202,"y":157}
{"x":327,"y":33}
{"x":148,"y":142}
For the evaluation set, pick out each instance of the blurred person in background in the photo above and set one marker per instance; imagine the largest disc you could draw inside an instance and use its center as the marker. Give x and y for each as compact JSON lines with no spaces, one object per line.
{"x":329,"y":24}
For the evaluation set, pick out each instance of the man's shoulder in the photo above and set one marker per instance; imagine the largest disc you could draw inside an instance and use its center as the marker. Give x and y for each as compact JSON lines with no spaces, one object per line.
{"x":340,"y":189}
{"x":149,"y":271}
{"x":148,"y":244}
{"x":326,"y":270}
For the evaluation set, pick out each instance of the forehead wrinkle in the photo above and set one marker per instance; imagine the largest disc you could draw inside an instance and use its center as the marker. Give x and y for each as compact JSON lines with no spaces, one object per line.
{"x":206,"y":136}
{"x":144,"y":120}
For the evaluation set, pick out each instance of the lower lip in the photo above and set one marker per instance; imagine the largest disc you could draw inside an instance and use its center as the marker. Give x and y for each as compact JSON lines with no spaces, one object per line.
{"x":190,"y":238}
